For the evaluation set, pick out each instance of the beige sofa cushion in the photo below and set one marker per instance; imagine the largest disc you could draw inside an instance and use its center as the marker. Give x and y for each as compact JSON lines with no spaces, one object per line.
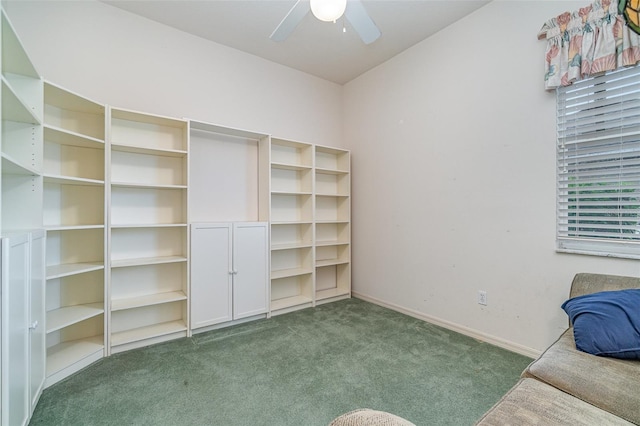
{"x":610,"y":384}
{"x":531,"y":402}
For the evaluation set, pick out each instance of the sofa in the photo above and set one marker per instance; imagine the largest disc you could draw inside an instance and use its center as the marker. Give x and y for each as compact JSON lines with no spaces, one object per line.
{"x":568,"y":386}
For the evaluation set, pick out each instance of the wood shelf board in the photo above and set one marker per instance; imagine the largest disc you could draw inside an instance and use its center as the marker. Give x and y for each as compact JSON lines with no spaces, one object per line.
{"x":67,"y":137}
{"x":226,"y":131}
{"x":292,"y":222}
{"x":288,"y":166}
{"x":148,"y":151}
{"x":71,"y":180}
{"x":148,"y":225}
{"x":290,"y":144}
{"x":147,"y":300}
{"x":294,"y":272}
{"x":331,"y":171}
{"x":302,"y":244}
{"x":331,"y":150}
{"x":13,"y":108}
{"x":334,"y":195}
{"x":142,"y":333}
{"x":146,"y":185}
{"x":72,"y":227}
{"x":291,"y":193}
{"x":12,"y":166}
{"x":65,"y":354}
{"x":331,"y":292}
{"x":331,"y":262}
{"x":68,"y":269}
{"x":331,"y":243}
{"x":289,"y":302}
{"x":337,"y":222}
{"x":142,"y":117}
{"x":69,"y":315}
{"x":124,"y":263}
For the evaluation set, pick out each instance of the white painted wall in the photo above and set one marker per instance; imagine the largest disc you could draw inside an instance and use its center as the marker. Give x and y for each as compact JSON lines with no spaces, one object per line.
{"x":118,"y":58}
{"x":454,"y":180}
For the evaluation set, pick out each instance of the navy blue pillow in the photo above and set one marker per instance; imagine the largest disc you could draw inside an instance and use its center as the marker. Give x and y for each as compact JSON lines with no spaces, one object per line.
{"x":607,"y":323}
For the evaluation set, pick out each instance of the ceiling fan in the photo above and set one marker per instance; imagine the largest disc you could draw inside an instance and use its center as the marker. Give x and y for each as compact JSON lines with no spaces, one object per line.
{"x":329,"y":10}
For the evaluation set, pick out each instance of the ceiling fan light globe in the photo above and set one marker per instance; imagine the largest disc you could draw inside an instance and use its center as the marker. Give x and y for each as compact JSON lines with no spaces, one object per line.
{"x":328,"y":10}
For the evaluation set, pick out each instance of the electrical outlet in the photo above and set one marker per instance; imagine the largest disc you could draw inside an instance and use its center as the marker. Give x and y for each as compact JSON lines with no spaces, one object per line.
{"x":482,"y":297}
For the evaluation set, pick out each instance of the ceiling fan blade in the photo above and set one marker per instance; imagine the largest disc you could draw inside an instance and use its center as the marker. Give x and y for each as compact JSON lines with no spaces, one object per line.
{"x":291,"y":21}
{"x":360,"y":20}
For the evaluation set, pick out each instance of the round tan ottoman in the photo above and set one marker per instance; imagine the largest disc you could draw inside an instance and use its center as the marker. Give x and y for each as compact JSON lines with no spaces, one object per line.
{"x":367,"y":417}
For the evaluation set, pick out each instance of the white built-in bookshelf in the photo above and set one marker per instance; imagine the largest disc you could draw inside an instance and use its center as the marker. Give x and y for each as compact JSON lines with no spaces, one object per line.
{"x":291,"y":215}
{"x":22,"y":323}
{"x":332,"y":223}
{"x":148,"y":235}
{"x":74,"y":216}
{"x":310,"y":224}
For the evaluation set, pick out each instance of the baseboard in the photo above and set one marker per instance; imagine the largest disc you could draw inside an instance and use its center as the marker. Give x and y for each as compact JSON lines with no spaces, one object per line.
{"x":487,"y":338}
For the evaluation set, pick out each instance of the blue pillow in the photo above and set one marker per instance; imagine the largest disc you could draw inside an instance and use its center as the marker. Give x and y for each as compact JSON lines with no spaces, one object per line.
{"x":606,"y":323}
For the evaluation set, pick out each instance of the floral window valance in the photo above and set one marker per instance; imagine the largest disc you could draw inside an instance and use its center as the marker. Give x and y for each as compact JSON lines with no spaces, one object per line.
{"x":587,"y":42}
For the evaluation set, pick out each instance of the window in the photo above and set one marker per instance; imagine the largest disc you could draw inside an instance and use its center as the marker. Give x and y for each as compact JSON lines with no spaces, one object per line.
{"x":598,"y":156}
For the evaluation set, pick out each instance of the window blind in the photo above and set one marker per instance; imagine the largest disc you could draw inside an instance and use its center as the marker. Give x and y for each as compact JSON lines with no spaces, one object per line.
{"x":598,"y":165}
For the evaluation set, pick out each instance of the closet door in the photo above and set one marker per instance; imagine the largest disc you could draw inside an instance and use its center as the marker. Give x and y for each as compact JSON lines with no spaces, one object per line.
{"x":211,"y":274}
{"x":15,"y":336}
{"x":250,"y":269}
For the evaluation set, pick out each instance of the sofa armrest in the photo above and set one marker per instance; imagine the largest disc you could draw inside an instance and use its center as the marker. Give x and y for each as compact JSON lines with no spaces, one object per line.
{"x":584,"y":283}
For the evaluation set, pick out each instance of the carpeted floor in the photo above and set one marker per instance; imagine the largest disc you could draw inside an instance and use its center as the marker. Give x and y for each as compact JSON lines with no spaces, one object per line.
{"x":303,"y":369}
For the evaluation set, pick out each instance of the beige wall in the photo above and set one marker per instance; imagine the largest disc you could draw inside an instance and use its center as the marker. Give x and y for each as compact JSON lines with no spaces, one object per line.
{"x":454,"y":180}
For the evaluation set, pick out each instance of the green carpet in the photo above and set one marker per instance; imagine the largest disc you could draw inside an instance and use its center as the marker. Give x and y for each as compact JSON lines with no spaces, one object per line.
{"x":304,"y":368}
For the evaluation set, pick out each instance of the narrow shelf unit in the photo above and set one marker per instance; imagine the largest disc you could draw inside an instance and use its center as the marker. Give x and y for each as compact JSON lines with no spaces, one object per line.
{"x":148,"y":193}
{"x":21,"y":90}
{"x":332,"y":216}
{"x":74,"y":212}
{"x":290,"y":176}
{"x":310,"y":213}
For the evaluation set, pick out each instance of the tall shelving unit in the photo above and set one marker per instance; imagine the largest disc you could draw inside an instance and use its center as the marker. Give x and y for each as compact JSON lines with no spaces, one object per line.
{"x":332,"y":223}
{"x":291,"y":205}
{"x":148,"y":237}
{"x":21,"y":150}
{"x":22,"y":335}
{"x":74,"y":216}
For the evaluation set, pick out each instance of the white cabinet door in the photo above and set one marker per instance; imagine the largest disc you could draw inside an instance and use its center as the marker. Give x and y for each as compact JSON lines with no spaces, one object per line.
{"x":250,"y":267}
{"x":37,"y":329}
{"x":15,"y":335}
{"x":229,"y":272}
{"x":211,"y":279}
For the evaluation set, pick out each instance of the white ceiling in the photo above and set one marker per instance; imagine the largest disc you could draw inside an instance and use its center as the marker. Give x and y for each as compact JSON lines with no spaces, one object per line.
{"x":318,"y":48}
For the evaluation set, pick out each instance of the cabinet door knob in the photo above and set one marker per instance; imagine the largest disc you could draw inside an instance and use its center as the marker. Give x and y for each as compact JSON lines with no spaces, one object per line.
{"x":34,"y":325}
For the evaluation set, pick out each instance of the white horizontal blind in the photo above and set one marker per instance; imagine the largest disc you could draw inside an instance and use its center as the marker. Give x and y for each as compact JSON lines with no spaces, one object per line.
{"x":598,"y":154}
